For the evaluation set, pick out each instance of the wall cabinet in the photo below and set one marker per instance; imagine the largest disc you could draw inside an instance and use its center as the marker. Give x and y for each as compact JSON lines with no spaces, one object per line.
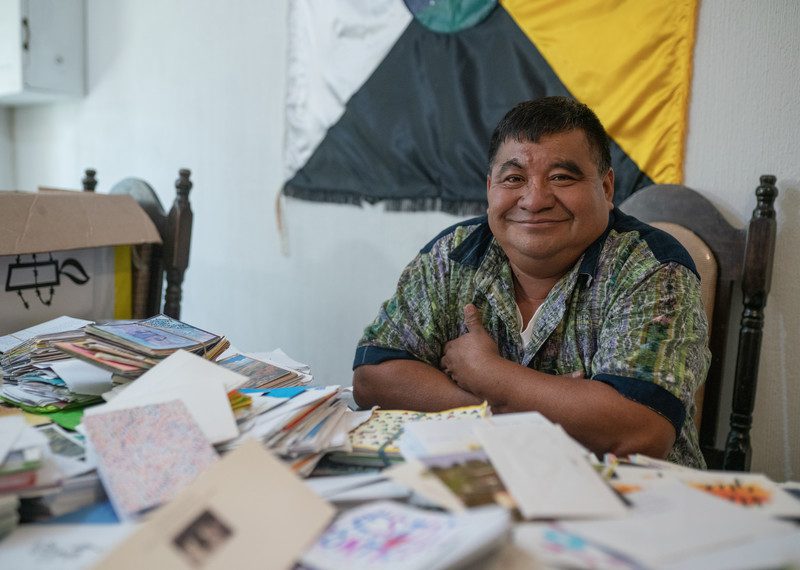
{"x":41,"y":50}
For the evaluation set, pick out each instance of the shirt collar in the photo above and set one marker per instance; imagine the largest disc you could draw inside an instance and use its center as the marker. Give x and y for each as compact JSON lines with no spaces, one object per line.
{"x":591,"y":256}
{"x":473,"y":249}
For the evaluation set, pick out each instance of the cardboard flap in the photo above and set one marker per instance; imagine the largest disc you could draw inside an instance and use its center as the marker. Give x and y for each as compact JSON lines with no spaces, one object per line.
{"x":56,"y":221}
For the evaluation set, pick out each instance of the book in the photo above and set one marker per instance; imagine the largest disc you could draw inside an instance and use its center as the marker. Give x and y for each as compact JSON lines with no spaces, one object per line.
{"x":146,"y":455}
{"x":260,"y":374}
{"x":375,"y":441}
{"x":158,"y":336}
{"x":113,"y":363}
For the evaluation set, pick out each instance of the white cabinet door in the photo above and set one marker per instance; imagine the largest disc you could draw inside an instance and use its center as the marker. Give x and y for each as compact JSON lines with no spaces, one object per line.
{"x":41,"y":50}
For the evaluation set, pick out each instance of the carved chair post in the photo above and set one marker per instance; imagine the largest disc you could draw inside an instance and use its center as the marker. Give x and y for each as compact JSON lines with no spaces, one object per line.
{"x":176,"y":256}
{"x":755,"y":288}
{"x":153,"y":262}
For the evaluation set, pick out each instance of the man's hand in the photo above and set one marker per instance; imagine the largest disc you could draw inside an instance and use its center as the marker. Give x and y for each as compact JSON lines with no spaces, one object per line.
{"x":465,"y":356}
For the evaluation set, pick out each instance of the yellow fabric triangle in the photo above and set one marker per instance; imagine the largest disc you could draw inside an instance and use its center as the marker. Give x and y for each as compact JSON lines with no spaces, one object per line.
{"x":630,"y":61}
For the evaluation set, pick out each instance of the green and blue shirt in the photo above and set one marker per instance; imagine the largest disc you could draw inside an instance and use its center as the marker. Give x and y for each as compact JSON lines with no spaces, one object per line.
{"x":628,"y":314}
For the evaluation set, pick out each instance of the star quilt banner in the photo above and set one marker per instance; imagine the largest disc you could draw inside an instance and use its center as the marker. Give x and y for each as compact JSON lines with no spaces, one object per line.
{"x":395,"y":101}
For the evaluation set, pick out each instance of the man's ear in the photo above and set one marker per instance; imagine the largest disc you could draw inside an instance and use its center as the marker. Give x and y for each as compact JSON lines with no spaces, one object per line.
{"x":608,"y":188}
{"x":488,"y":183}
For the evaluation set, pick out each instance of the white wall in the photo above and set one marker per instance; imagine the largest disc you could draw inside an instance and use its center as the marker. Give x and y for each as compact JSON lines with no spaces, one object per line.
{"x":200,"y":84}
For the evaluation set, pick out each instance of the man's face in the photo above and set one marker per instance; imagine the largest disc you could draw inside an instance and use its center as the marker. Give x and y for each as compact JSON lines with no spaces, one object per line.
{"x":547,"y":200}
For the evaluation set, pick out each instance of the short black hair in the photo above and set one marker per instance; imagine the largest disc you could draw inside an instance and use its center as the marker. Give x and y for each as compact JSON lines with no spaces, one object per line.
{"x":531,"y":120}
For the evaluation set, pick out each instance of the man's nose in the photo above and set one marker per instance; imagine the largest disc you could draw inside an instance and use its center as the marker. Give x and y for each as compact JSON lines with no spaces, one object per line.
{"x":536,"y":195}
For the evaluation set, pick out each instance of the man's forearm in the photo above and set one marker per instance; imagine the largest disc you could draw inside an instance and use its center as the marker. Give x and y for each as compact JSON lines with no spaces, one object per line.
{"x":408,"y":385}
{"x":592,"y":412}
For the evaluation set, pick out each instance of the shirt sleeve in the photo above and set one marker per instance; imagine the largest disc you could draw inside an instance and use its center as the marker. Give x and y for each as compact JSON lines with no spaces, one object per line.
{"x":653,"y":344}
{"x":411,"y":324}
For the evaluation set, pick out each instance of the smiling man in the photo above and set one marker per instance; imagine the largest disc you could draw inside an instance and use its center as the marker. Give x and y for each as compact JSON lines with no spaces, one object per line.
{"x":555,"y":302}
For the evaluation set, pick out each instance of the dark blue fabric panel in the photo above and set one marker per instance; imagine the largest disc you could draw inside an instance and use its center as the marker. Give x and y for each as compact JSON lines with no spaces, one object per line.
{"x":378,"y":354}
{"x":651,"y":395}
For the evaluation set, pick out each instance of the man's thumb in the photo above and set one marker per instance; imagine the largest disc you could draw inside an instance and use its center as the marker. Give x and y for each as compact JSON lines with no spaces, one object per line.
{"x":472,"y":318}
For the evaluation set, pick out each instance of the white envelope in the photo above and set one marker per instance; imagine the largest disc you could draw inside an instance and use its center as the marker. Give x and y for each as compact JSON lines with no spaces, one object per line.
{"x":546,"y":473}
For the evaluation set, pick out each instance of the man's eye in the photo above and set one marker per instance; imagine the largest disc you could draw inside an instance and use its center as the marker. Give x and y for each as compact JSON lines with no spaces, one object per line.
{"x":514,"y":179}
{"x":561,"y":178}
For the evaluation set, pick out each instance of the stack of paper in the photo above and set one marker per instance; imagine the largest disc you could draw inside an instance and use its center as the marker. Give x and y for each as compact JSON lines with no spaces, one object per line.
{"x":201,"y":385}
{"x":79,"y":486}
{"x":27,"y":465}
{"x":261,"y":375}
{"x":21,"y":454}
{"x":40,"y":377}
{"x":299,"y":423}
{"x":130,"y":348}
{"x":8,"y":514}
{"x":60,"y":325}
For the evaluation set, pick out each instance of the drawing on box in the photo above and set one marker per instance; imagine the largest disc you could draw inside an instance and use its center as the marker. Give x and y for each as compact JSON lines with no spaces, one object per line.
{"x":40,"y":275}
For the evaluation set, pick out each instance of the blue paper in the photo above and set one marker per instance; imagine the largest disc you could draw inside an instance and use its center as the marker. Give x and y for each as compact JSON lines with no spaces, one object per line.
{"x":96,"y":513}
{"x":286,"y":392}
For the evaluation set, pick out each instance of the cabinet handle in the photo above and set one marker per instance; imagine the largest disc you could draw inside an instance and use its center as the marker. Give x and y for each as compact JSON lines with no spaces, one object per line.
{"x":26,"y":34}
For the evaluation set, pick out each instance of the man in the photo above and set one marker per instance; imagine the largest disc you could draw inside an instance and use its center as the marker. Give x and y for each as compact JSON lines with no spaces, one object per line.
{"x":554,"y":302}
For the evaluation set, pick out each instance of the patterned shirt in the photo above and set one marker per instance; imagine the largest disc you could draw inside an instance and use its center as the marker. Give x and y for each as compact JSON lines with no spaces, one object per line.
{"x":628,"y":314}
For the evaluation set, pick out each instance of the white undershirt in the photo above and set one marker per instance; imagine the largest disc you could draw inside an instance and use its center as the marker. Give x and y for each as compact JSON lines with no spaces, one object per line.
{"x":527,"y":331}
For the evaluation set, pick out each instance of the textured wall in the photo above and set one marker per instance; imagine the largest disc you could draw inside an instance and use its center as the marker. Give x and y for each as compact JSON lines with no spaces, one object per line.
{"x":744,"y":122}
{"x":200,"y":84}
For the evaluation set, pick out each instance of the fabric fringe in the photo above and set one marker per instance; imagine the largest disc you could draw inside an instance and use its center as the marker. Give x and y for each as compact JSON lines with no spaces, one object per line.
{"x":457,"y":208}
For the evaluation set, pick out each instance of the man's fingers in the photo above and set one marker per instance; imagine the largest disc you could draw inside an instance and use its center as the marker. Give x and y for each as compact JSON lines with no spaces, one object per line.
{"x":575,"y":374}
{"x":472,"y":318}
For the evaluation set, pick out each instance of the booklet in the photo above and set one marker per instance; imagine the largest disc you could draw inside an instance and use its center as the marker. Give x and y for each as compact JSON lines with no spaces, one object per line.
{"x":247,"y":511}
{"x":157,"y":336}
{"x":146,"y":455}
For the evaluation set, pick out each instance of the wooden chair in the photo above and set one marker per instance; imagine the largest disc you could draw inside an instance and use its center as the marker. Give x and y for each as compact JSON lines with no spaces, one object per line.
{"x":724,"y":255}
{"x":152,"y":262}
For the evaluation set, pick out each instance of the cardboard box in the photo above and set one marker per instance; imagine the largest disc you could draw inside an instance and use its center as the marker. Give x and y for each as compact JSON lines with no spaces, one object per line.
{"x":66,"y":252}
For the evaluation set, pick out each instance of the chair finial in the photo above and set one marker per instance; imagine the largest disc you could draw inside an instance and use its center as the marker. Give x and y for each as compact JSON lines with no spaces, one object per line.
{"x":765,"y":196}
{"x":89,"y":181}
{"x":183,"y":185}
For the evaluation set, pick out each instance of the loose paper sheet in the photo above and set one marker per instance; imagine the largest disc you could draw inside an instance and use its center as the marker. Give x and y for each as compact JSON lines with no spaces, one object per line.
{"x":11,"y":427}
{"x":82,"y":377}
{"x":60,"y":324}
{"x":674,"y":521}
{"x":60,"y":547}
{"x":545,"y":473}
